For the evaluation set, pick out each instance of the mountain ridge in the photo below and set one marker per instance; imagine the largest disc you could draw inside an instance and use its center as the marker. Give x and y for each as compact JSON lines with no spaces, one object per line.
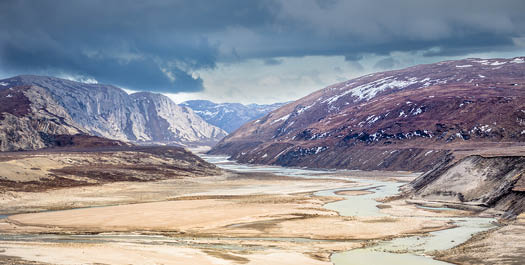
{"x":229,"y":116}
{"x":379,"y":121}
{"x":49,"y":105}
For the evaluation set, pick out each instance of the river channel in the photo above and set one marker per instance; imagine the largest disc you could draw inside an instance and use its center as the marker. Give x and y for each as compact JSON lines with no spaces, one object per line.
{"x":405,"y":250}
{"x":413,"y":250}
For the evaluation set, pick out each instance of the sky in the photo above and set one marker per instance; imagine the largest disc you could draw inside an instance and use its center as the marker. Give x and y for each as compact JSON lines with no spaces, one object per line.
{"x":256,"y":51}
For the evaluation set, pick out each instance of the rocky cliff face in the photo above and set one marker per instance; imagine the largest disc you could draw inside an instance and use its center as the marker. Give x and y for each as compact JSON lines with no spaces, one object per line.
{"x":28,"y":116}
{"x":52,"y":106}
{"x":229,"y":116}
{"x":407,"y":119}
{"x":495,"y":182}
{"x":169,"y":122}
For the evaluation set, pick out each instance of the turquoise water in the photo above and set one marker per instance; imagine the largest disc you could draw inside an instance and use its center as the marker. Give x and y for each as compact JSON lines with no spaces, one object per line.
{"x":413,"y":248}
{"x":406,"y":250}
{"x":400,"y":251}
{"x":362,"y":205}
{"x":369,"y":257}
{"x":403,"y":251}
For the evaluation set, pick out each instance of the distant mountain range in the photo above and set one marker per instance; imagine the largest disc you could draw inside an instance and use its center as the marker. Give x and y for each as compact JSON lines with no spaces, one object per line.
{"x":34,"y":110}
{"x":406,"y":119}
{"x":229,"y":116}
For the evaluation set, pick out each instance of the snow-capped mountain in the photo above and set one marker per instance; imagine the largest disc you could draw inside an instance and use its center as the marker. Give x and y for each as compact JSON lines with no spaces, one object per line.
{"x":229,"y":116}
{"x":403,"y":119}
{"x":45,"y":106}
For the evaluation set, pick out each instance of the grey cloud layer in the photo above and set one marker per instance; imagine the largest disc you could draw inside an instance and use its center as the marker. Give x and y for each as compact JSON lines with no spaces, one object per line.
{"x":157,"y":45}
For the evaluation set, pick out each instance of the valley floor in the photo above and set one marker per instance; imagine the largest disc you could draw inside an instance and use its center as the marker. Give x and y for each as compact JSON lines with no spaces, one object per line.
{"x":231,"y":218}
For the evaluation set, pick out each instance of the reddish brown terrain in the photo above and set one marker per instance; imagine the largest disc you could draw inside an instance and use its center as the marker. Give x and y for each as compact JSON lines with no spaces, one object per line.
{"x":406,"y":119}
{"x":15,"y":102}
{"x":81,"y":141}
{"x":89,"y":160}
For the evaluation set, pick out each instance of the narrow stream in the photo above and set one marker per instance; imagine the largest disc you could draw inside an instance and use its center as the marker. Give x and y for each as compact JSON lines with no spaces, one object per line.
{"x":402,"y":251}
{"x":361,"y":205}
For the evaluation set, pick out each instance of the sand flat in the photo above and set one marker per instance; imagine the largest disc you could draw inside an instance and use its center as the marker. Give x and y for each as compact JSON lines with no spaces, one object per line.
{"x":230,"y":216}
{"x":271,"y":219}
{"x":167,"y":215}
{"x":125,"y":254}
{"x":137,"y":192}
{"x":353,"y":192}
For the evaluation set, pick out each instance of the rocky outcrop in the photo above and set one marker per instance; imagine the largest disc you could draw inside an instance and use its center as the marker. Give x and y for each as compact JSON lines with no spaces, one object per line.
{"x":488,"y":182}
{"x":229,"y":116}
{"x":169,"y":122}
{"x":33,"y":107}
{"x":410,"y":119}
{"x":28,"y":116}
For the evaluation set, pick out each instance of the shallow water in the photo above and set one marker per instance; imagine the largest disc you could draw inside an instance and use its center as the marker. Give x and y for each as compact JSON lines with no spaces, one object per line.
{"x":223,"y":162}
{"x":413,"y":247}
{"x":370,"y":257}
{"x":400,"y":251}
{"x":361,"y":205}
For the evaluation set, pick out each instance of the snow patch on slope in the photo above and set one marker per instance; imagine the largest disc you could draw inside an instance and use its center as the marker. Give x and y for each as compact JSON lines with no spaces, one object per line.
{"x":303,"y":109}
{"x":283,"y":118}
{"x":417,"y":111}
{"x":496,"y":63}
{"x":482,"y":62}
{"x":369,"y":90}
{"x":373,"y":118}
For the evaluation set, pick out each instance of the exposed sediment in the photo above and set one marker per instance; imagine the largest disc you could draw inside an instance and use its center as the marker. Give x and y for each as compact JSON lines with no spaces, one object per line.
{"x":489,"y":185}
{"x":494,"y":183}
{"x":270,"y":219}
{"x":500,"y":246}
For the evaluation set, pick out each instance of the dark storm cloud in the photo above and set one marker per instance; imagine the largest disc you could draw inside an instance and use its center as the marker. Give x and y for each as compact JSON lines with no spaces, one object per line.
{"x":156,"y":45}
{"x":142,"y":45}
{"x":386,"y":63}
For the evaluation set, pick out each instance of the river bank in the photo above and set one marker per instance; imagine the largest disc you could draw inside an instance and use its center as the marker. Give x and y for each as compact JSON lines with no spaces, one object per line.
{"x":253,"y":215}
